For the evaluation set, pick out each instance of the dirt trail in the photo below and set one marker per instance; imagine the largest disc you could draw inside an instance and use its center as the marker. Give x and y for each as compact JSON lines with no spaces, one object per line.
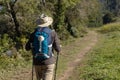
{"x":92,"y":38}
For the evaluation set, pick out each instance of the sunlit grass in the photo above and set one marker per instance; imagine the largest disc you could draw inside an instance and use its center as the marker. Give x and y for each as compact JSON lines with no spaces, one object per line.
{"x":110,"y":27}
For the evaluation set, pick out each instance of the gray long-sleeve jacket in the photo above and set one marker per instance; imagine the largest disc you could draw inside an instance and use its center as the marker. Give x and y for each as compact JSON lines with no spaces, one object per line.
{"x":56,"y":47}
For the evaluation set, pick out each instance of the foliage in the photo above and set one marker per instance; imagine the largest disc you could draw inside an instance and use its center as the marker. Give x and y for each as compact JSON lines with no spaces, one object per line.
{"x":110,"y":6}
{"x":108,"y":18}
{"x":94,"y":14}
{"x":5,"y":43}
{"x":59,"y":18}
{"x":59,"y":10}
{"x":71,"y":3}
{"x":11,"y":64}
{"x":110,"y":27}
{"x":26,"y":55}
{"x":83,"y":14}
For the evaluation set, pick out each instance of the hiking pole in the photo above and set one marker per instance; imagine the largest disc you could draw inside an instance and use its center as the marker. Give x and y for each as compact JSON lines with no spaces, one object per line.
{"x":32,"y":70}
{"x":56,"y":66}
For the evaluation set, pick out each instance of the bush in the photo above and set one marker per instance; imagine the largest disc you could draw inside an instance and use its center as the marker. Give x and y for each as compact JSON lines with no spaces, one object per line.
{"x":6,"y":43}
{"x":108,"y":18}
{"x":110,"y":27}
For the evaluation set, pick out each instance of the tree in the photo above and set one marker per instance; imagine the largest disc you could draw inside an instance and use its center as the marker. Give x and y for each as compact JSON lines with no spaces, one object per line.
{"x":11,"y":10}
{"x":59,"y":18}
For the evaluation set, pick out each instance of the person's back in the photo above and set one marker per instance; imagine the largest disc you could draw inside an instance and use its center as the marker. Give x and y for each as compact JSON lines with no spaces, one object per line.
{"x":42,"y":41}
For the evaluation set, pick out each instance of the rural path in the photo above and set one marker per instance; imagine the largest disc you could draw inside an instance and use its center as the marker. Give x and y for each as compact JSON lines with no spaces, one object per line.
{"x":90,"y":40}
{"x":83,"y":46}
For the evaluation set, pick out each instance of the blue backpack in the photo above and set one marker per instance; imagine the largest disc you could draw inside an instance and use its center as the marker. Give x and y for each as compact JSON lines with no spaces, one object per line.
{"x":42,"y":44}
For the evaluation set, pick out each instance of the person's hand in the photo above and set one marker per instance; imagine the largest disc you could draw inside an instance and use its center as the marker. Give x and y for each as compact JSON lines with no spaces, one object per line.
{"x":60,"y":53}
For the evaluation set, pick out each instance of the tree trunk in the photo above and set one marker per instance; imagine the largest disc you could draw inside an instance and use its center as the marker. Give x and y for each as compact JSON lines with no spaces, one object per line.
{"x":13,"y":14}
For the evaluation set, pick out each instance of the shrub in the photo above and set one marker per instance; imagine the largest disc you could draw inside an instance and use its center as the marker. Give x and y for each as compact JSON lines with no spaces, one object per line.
{"x":6,"y":43}
{"x":110,"y":27}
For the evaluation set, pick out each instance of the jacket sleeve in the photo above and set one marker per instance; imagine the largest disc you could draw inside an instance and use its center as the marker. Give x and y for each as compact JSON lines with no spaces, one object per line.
{"x":28,"y":45}
{"x":56,"y":42}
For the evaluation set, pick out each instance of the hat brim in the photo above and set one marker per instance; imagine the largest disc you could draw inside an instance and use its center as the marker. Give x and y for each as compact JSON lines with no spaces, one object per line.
{"x":46,"y":24}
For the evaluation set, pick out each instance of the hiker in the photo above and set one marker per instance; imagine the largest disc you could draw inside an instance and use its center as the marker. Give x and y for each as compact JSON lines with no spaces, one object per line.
{"x":44,"y":64}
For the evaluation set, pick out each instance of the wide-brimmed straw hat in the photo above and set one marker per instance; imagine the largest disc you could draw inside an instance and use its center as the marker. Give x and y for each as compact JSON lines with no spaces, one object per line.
{"x":44,"y":21}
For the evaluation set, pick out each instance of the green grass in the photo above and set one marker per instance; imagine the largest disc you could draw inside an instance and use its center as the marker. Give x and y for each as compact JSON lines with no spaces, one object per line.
{"x":10,"y":66}
{"x":103,"y":62}
{"x":110,"y":27}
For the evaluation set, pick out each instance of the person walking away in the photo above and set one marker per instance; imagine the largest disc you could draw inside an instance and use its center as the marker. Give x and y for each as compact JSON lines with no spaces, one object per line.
{"x":42,"y":42}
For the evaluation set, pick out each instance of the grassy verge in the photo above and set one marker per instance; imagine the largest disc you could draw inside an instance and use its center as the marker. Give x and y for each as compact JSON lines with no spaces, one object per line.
{"x":103,"y":62}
